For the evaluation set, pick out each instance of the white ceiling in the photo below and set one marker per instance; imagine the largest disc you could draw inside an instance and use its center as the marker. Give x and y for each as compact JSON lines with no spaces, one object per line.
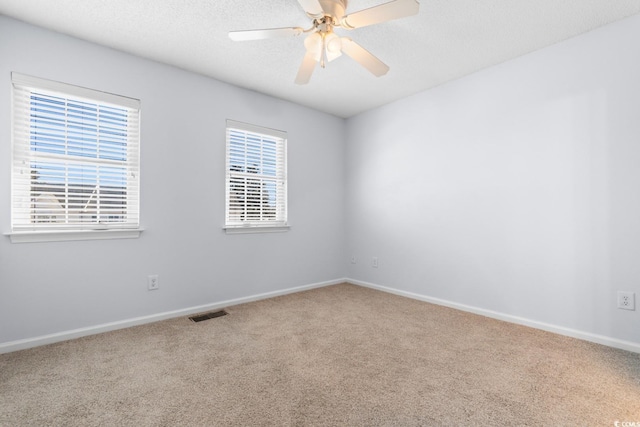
{"x":446,"y":40}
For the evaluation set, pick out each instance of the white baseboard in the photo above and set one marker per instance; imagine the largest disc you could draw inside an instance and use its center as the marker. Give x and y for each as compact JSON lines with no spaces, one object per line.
{"x":586,"y":336}
{"x":10,"y":346}
{"x":77,"y":333}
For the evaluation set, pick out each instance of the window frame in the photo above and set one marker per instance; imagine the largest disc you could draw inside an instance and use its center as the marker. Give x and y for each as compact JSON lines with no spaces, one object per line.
{"x":279,"y":178}
{"x":23,"y":227}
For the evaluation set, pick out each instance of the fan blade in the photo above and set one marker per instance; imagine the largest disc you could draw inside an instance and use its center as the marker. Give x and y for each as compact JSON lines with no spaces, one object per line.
{"x":312,"y":7}
{"x":363,"y":57}
{"x":383,"y":13}
{"x":271,"y":33}
{"x":306,"y":69}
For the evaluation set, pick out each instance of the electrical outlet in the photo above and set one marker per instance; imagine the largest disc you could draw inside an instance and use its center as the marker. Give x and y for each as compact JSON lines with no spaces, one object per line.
{"x":374,"y":262}
{"x":152,"y":282}
{"x":626,"y":300}
{"x":353,"y":260}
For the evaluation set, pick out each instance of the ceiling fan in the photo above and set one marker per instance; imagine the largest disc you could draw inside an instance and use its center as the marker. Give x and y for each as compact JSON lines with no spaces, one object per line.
{"x":322,"y":44}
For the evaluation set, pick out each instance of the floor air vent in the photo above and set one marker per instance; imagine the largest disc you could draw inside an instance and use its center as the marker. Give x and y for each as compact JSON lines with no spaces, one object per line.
{"x":206,"y":316}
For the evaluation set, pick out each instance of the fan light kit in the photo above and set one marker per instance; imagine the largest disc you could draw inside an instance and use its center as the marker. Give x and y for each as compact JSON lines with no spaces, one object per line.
{"x":323,"y":45}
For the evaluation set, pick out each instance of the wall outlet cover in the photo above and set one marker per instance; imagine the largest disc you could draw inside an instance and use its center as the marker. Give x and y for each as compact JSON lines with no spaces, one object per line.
{"x":152,"y":282}
{"x":626,"y":300}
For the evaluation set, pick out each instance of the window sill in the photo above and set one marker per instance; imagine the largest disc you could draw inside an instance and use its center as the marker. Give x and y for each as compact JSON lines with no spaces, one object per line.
{"x":72,"y":235}
{"x":247,"y":229}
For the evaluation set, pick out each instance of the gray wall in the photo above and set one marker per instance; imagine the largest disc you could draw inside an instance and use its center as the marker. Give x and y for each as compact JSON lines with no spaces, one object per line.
{"x":48,"y":288}
{"x":513,"y":190}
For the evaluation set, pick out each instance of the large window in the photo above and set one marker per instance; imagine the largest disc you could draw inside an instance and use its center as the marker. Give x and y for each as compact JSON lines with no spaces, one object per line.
{"x":75,"y":158}
{"x":256,"y":181}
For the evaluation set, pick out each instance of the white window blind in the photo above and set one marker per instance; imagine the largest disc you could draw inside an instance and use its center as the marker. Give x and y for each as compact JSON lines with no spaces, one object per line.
{"x":75,"y":157}
{"x":256,"y":178}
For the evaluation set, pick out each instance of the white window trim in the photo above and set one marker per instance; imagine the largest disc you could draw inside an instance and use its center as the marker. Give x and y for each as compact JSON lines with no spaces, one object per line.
{"x":256,"y":227}
{"x":72,"y":235}
{"x":95,"y":232}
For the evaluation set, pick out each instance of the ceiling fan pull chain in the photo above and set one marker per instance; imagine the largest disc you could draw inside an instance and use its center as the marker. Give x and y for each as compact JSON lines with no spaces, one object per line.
{"x":323,"y":58}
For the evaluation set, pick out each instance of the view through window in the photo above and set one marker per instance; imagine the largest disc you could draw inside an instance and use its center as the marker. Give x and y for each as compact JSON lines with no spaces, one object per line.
{"x":256,"y":176}
{"x":75,"y":157}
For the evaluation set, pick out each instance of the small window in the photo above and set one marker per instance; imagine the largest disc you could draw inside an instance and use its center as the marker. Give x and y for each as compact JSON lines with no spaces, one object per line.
{"x":256,"y":178}
{"x":75,"y":158}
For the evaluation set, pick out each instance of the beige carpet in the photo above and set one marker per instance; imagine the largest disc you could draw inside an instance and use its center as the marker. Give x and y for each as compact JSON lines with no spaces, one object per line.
{"x":341,"y":355}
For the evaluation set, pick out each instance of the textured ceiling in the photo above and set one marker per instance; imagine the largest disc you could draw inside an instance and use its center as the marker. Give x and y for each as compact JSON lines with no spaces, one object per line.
{"x":446,"y":40}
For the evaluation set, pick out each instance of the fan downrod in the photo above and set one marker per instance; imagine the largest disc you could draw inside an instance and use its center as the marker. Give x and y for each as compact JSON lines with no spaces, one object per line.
{"x":334,"y":8}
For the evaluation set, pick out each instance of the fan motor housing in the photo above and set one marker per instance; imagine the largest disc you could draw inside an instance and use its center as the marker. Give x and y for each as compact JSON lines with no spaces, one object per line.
{"x":336,"y":8}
